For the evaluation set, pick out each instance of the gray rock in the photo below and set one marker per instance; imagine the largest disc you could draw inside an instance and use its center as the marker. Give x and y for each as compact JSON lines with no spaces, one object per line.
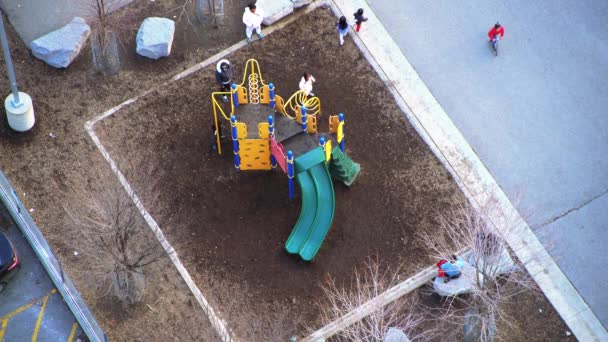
{"x":458,"y":286}
{"x":301,"y":3}
{"x":155,"y":37}
{"x":395,"y":335}
{"x":274,"y":10}
{"x":60,"y":47}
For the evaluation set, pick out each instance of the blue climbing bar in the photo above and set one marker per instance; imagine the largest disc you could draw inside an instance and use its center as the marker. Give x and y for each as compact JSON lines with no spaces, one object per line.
{"x":235,"y":143}
{"x":272,"y":99}
{"x":290,"y":174}
{"x":235,"y":95}
{"x":341,"y":131}
{"x":273,"y":160}
{"x":304,"y":123}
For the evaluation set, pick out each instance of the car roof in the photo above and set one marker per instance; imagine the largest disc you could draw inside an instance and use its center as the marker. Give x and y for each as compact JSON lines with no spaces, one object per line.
{"x":6,"y":250}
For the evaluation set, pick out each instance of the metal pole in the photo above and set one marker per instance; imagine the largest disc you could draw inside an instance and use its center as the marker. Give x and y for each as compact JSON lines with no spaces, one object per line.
{"x":9,"y":63}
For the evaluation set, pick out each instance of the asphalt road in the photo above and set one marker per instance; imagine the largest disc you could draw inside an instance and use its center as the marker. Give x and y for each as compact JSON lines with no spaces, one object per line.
{"x":536,"y":115}
{"x":30,"y":307}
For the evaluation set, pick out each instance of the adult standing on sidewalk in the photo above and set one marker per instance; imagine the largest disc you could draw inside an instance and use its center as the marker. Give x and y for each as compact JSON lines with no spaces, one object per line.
{"x":252,"y":18}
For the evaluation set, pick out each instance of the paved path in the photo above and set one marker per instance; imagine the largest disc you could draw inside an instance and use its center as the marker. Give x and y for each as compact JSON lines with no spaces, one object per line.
{"x":31,"y":309}
{"x":536,"y":115}
{"x":35,"y":18}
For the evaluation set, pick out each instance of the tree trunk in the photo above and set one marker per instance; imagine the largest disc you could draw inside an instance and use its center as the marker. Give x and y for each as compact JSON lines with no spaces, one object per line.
{"x":105,"y":52}
{"x":479,"y":326}
{"x":128,"y":285}
{"x":210,"y":12}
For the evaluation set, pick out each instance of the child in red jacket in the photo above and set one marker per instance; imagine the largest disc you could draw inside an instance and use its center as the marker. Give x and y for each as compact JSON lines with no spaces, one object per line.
{"x":359,"y":19}
{"x":496,"y":31}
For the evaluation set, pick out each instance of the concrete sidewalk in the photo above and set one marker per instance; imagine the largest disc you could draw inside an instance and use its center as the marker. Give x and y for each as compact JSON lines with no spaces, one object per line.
{"x":35,"y":18}
{"x":434,"y":125}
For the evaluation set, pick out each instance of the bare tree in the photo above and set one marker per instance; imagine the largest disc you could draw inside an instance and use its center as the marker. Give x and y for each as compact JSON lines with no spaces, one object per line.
{"x":210,"y":11}
{"x":104,"y":41}
{"x":495,"y":279}
{"x":116,"y":236}
{"x":369,"y":282}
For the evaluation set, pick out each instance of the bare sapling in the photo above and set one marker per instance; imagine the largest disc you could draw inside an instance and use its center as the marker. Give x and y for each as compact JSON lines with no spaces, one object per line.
{"x":104,"y":42}
{"x":494,"y":280}
{"x":210,"y":12}
{"x":369,"y":282}
{"x":116,"y":238}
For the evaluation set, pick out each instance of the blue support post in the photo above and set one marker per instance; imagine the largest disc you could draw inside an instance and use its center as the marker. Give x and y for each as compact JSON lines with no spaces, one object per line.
{"x":235,"y":95}
{"x":273,"y":160}
{"x":272,"y":100}
{"x":290,"y":173}
{"x":235,"y":143}
{"x":322,"y":142}
{"x":341,"y":120}
{"x":304,"y":121}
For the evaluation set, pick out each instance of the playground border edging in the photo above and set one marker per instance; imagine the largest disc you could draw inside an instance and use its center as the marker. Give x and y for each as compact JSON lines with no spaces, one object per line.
{"x":218,"y":324}
{"x":474,"y":179}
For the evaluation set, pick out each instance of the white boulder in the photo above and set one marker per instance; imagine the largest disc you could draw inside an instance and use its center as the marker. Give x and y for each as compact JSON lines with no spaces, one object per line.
{"x":60,"y":47}
{"x":462,"y":285}
{"x":300,"y":3}
{"x":395,"y":335}
{"x":499,"y":262}
{"x":274,"y":10}
{"x":155,"y":37}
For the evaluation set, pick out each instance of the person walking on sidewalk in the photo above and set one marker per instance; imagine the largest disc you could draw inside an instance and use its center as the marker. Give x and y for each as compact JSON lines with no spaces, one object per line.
{"x":342,"y":26}
{"x":306,"y":84}
{"x":252,"y":18}
{"x":359,"y":19}
{"x":223,"y":77}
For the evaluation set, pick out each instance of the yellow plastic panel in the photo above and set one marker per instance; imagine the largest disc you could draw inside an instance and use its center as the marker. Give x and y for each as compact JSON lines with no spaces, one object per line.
{"x":334,"y":121}
{"x":328,"y":150}
{"x":280,"y":104}
{"x":265,"y":95}
{"x":255,"y":154}
{"x":311,"y":124}
{"x":340,"y":131}
{"x":242,"y":95}
{"x":241,"y":130}
{"x":263,"y":130}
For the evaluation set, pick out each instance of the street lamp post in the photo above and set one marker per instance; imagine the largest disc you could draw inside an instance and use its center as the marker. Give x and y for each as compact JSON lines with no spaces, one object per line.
{"x":18,"y":105}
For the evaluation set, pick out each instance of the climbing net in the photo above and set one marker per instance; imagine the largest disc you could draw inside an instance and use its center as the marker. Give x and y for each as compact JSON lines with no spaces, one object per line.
{"x":254,"y":88}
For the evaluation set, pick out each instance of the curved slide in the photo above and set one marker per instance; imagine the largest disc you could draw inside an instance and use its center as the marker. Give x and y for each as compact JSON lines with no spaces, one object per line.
{"x":318,"y":204}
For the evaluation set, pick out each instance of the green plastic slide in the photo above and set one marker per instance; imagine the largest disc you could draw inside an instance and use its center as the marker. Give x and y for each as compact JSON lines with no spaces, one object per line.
{"x":318,"y":204}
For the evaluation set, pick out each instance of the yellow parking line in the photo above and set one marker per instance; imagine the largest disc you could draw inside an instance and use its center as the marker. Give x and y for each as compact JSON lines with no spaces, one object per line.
{"x":3,"y":330}
{"x":16,"y":311}
{"x":37,"y":327}
{"x":73,"y":332}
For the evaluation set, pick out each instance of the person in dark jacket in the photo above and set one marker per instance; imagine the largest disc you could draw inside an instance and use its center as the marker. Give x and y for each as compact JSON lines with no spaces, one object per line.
{"x":223,"y":76}
{"x":342,"y":26}
{"x":359,"y":19}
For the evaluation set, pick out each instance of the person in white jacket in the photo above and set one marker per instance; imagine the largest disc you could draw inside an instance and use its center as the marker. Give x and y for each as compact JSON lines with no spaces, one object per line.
{"x":306,"y":84}
{"x":252,"y":18}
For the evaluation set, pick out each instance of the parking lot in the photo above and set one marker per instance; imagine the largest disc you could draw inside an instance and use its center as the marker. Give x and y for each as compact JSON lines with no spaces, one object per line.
{"x":31,"y":309}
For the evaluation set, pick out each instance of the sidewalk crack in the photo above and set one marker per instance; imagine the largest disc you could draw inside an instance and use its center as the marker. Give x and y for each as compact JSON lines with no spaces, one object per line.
{"x":567,"y":212}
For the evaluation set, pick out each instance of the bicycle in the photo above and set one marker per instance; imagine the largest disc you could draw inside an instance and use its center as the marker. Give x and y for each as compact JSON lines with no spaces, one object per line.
{"x":494,"y":44}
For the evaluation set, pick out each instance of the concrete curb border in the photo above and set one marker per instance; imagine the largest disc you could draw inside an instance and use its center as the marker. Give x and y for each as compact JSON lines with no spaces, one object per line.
{"x":218,"y":324}
{"x":49,"y":261}
{"x":471,"y":175}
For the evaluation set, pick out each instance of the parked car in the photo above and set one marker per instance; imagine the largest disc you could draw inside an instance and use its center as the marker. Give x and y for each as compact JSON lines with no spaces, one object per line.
{"x":9,"y":261}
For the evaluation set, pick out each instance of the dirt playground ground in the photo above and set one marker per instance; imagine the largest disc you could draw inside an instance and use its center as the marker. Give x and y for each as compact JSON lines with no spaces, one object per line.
{"x":229,"y":228}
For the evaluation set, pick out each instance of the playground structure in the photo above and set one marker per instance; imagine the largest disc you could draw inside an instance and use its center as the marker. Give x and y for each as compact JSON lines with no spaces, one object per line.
{"x":288,"y":126}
